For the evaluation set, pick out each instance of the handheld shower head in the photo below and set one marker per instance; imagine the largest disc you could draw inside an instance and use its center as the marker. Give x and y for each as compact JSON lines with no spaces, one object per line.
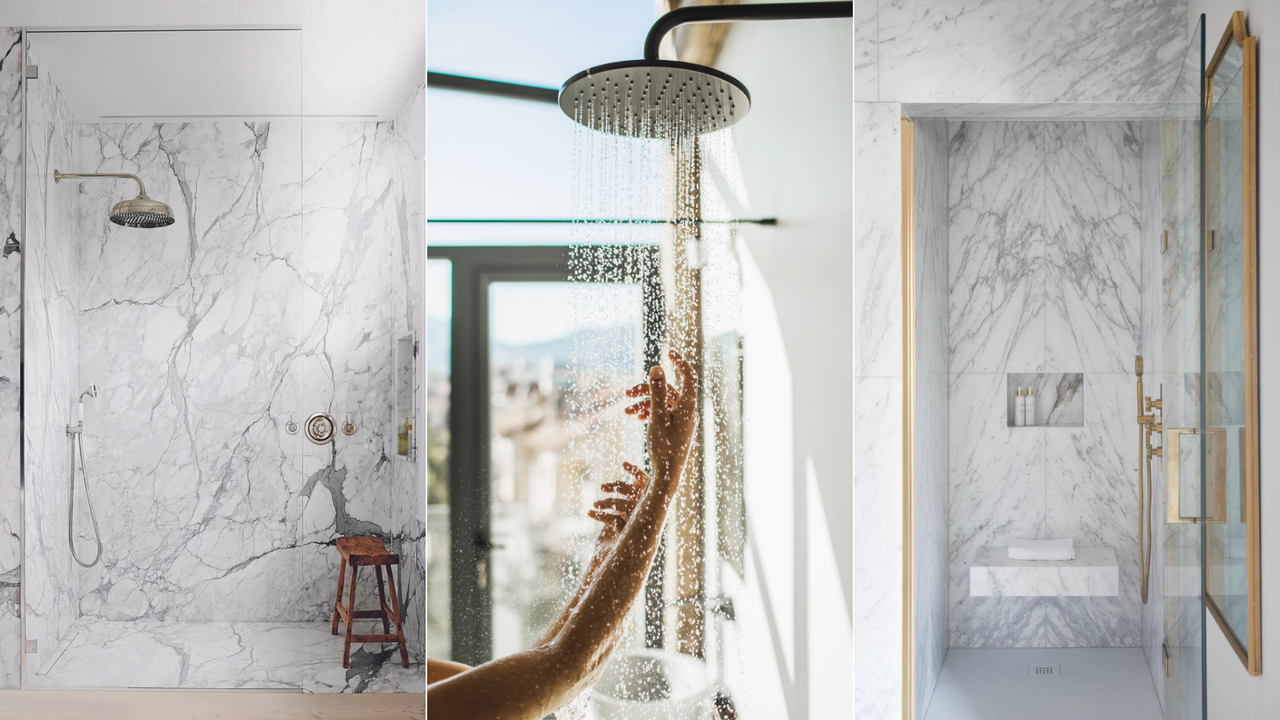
{"x":92,"y":392}
{"x":140,"y":212}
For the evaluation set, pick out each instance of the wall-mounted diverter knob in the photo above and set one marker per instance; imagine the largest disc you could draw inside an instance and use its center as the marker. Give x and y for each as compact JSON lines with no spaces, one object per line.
{"x":320,"y":429}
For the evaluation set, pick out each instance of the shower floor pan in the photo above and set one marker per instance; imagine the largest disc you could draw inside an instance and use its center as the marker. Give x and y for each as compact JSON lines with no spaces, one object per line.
{"x":213,"y":655}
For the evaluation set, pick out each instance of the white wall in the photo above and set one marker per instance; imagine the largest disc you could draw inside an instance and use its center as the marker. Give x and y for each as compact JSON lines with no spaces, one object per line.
{"x":1233,"y":694}
{"x":794,"y":150}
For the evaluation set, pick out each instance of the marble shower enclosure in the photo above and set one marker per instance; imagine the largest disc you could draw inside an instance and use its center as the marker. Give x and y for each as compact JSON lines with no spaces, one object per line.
{"x":292,"y":268}
{"x":50,"y":370}
{"x":1044,"y":235}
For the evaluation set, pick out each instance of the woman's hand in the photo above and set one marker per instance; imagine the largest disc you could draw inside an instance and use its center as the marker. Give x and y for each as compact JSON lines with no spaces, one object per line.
{"x":672,"y":415}
{"x":614,"y":512}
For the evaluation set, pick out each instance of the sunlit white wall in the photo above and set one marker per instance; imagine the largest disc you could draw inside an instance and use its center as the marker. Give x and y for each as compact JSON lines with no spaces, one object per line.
{"x":795,"y":604}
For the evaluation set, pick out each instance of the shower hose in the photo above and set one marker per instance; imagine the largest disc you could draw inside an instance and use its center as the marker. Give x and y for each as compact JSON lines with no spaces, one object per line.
{"x":71,"y":506}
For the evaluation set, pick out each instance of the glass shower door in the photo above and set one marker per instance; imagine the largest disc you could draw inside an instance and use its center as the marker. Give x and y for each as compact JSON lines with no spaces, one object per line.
{"x":1182,"y":298}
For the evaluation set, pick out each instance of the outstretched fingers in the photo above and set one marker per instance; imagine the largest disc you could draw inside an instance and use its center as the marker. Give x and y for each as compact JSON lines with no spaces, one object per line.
{"x":658,"y":392}
{"x":642,"y":478}
{"x":611,"y":521}
{"x":688,"y":380}
{"x":622,"y":488}
{"x":641,"y":409}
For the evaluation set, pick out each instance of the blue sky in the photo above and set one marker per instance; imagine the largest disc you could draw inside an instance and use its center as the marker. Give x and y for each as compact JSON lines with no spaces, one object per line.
{"x":491,"y":157}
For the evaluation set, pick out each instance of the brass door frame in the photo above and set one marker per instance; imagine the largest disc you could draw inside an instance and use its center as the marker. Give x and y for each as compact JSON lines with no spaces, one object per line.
{"x":1237,"y":33}
{"x":908,"y":421}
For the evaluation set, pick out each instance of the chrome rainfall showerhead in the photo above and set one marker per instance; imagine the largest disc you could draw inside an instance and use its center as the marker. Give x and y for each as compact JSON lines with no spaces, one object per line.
{"x":140,"y":212}
{"x":654,"y":99}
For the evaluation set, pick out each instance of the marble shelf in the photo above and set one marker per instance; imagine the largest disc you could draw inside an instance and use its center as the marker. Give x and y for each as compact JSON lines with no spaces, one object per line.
{"x":1094,"y":573}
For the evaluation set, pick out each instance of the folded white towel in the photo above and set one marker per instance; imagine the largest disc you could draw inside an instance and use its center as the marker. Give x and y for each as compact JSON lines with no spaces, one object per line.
{"x":1056,"y":549}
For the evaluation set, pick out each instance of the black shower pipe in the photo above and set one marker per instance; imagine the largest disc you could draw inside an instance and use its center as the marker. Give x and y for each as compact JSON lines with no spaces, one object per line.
{"x":481,"y":86}
{"x":738,"y":13}
{"x":664,"y":25}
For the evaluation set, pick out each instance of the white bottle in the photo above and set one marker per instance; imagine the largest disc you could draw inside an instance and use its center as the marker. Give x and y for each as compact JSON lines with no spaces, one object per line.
{"x":1029,"y":415}
{"x":1019,"y":410}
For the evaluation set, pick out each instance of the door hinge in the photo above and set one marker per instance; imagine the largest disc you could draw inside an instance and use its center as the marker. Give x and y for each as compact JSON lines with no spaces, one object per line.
{"x":31,"y":72}
{"x":29,"y":647}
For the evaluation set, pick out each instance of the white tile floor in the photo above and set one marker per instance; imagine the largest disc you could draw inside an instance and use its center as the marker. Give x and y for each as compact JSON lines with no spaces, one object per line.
{"x":154,"y":654}
{"x":1095,"y":683}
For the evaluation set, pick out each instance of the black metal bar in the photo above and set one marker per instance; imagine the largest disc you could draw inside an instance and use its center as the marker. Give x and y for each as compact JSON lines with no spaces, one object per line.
{"x":539,"y":221}
{"x":514,"y":91}
{"x":739,"y":13}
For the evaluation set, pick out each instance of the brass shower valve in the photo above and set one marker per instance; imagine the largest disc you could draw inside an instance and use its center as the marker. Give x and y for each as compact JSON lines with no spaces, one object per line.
{"x":1155,"y":451}
{"x":1157,"y":404}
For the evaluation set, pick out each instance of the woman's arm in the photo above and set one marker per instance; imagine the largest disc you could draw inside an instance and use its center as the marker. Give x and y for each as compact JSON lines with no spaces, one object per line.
{"x":531,"y":684}
{"x":438,"y":670}
{"x":613,"y":512}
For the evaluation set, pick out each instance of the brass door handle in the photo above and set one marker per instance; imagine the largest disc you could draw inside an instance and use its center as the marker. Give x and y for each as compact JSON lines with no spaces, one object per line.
{"x":1216,"y":479}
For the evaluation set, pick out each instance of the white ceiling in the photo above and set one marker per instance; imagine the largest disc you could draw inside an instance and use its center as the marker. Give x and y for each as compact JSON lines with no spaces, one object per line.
{"x":353,"y":58}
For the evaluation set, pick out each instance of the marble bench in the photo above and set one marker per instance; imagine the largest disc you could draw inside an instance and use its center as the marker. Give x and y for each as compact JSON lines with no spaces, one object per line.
{"x":1094,"y":573}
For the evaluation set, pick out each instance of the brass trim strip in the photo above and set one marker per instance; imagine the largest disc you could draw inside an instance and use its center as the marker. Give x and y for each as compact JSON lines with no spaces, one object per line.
{"x":908,"y":420}
{"x":1252,"y":408}
{"x":1236,"y":31}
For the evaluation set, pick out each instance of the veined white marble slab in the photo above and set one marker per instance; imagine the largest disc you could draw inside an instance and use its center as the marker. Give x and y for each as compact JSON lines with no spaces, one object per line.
{"x":1094,"y":573}
{"x":260,"y":655}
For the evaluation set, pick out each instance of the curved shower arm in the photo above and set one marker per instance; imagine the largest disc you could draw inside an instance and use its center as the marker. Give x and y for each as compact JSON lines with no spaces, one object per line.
{"x":59,"y":176}
{"x":738,"y":13}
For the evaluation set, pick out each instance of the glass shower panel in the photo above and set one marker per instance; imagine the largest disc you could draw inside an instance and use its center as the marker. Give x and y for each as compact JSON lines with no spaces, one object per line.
{"x":1225,"y":342}
{"x":561,"y":354}
{"x":186,"y":346}
{"x":1181,"y":354}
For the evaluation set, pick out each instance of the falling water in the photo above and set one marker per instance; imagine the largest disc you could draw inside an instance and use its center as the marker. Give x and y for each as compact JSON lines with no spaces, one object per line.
{"x":656,"y":213}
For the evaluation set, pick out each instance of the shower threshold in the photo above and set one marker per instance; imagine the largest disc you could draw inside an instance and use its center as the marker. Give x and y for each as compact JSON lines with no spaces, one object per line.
{"x":301,"y":656}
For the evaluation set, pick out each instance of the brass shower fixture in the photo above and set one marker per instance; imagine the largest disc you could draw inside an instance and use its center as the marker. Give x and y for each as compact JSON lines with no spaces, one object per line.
{"x":1149,"y":425}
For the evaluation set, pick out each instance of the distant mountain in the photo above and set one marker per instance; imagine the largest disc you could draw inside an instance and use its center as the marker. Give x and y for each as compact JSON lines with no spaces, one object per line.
{"x":613,"y":348}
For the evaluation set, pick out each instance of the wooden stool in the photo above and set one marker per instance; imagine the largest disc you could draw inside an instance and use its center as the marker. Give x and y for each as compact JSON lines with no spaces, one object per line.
{"x":358,"y":552}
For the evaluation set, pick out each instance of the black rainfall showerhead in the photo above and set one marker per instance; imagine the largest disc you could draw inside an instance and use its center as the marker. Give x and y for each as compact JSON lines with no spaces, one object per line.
{"x":140,"y":212}
{"x":654,"y":98}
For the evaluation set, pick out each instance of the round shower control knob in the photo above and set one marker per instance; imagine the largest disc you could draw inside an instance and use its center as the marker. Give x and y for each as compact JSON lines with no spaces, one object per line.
{"x":320,"y":429}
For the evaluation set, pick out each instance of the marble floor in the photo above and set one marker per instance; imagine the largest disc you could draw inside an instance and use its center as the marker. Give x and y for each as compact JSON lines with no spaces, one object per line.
{"x":995,"y":684}
{"x":215,"y":655}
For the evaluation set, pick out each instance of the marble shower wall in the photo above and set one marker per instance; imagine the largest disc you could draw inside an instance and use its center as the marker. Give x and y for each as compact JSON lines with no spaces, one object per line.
{"x":1063,"y":52}
{"x":931,"y":415}
{"x":50,"y":368}
{"x":268,"y":300}
{"x":877,"y":413}
{"x":1045,"y":268}
{"x":10,"y":356}
{"x":193,"y":334}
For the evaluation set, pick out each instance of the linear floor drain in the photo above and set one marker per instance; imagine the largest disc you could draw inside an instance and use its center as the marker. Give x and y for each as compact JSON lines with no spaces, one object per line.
{"x":1044,"y":671}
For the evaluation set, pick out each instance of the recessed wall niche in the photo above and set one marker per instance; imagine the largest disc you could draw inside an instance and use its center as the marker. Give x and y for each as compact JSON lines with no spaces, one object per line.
{"x":1059,"y":398}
